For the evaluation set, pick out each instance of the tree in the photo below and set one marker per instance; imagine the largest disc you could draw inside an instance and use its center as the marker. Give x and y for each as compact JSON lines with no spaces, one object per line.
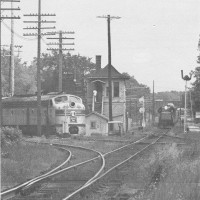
{"x":134,"y":91}
{"x":196,"y":84}
{"x":75,"y":67}
{"x":5,"y":62}
{"x":135,"y":88}
{"x":25,"y":82}
{"x":25,"y":79}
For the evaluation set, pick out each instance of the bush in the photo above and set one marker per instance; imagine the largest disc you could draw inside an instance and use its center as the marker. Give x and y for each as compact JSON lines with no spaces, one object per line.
{"x":10,"y":134}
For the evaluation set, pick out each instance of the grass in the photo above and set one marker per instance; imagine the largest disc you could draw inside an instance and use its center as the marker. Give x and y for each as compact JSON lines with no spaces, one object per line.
{"x":180,"y":175}
{"x":24,"y":161}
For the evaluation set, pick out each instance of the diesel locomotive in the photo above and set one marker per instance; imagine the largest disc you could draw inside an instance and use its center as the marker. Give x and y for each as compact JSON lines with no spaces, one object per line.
{"x":60,"y":113}
{"x":167,"y":116}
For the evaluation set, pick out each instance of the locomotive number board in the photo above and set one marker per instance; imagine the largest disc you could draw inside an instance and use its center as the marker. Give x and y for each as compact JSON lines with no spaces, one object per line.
{"x":73,"y":119}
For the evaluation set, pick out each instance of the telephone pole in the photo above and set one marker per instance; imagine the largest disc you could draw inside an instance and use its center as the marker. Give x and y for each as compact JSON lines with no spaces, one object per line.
{"x":18,"y":49}
{"x":61,"y":49}
{"x":1,"y":19}
{"x":39,"y":22}
{"x":153,"y":106}
{"x":108,"y":17}
{"x":0,"y":73}
{"x":12,"y":67}
{"x":9,"y":55}
{"x":12,"y":63}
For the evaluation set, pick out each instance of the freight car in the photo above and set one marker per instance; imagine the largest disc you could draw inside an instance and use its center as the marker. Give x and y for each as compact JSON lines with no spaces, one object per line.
{"x":60,"y":113}
{"x":167,"y":116}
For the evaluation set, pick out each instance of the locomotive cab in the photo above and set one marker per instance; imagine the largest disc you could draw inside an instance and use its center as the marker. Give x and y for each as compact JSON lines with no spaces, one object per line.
{"x":69,"y":114}
{"x":167,"y":116}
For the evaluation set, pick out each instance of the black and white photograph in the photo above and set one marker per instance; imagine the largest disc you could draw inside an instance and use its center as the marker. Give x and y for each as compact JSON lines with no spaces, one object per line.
{"x":100,"y":99}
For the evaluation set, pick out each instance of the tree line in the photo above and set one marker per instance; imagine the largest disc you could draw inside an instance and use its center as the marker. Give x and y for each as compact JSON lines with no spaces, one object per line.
{"x":75,"y":68}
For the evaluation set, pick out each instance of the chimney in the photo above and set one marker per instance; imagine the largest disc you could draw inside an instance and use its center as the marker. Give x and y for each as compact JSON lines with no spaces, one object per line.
{"x":98,"y":62}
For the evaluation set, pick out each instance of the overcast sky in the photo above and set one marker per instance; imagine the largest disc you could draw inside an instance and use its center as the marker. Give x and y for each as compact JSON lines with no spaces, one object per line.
{"x":153,"y":40}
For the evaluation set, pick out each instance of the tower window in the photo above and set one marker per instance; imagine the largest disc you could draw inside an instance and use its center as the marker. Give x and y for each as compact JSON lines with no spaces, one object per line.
{"x":107,"y":91}
{"x":116,"y":89}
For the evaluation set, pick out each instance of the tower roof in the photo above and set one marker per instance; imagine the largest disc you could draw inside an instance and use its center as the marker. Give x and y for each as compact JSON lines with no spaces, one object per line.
{"x":103,"y":73}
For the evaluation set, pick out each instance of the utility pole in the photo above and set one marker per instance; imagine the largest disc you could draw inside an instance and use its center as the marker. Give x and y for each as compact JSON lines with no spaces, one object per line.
{"x":108,"y":17}
{"x":0,"y":73}
{"x":186,"y":79}
{"x":153,"y":106}
{"x":1,"y":19}
{"x":12,"y":68}
{"x":12,"y":65}
{"x":10,"y":60}
{"x":3,"y":50}
{"x":18,"y":49}
{"x":39,"y":22}
{"x":61,"y":49}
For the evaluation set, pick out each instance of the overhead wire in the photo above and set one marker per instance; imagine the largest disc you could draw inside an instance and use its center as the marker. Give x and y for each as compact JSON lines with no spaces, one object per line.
{"x":22,"y":37}
{"x":18,"y":35}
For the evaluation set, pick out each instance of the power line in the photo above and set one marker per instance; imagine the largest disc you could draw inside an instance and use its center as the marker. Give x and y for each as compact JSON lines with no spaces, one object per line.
{"x":108,"y":17}
{"x":15,"y":46}
{"x":39,"y":27}
{"x":20,"y":36}
{"x":61,"y":49}
{"x":2,"y":17}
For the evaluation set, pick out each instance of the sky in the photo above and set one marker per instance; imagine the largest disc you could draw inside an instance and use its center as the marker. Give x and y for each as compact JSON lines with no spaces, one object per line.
{"x":153,"y":39}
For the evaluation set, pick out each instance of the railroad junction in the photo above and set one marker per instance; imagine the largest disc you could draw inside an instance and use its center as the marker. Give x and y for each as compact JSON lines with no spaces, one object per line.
{"x":107,"y":167}
{"x":109,"y":122}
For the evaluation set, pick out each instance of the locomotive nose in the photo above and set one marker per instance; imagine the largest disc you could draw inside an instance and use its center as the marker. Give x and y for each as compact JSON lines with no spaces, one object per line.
{"x":72,"y":104}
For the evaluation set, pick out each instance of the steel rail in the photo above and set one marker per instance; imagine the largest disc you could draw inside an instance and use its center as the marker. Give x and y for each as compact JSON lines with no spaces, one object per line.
{"x":43,"y":177}
{"x":6,"y":192}
{"x":53,"y":172}
{"x":101,"y":155}
{"x":173,"y":136}
{"x":68,"y":168}
{"x":111,"y":169}
{"x":110,"y":153}
{"x":135,"y":142}
{"x":73,"y":166}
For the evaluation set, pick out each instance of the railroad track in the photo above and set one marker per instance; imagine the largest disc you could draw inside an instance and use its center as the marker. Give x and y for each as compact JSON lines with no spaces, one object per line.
{"x":74,"y":181}
{"x":99,"y":183}
{"x":75,"y":160}
{"x":7,"y":194}
{"x":51,"y":187}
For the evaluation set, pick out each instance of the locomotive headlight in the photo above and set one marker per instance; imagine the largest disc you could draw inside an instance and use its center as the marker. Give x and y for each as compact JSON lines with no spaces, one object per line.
{"x":72,"y":104}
